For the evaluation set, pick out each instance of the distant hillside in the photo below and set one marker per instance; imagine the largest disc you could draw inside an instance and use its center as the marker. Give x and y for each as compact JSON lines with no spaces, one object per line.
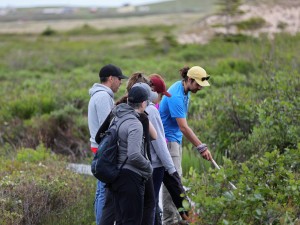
{"x":68,"y":13}
{"x":255,"y":18}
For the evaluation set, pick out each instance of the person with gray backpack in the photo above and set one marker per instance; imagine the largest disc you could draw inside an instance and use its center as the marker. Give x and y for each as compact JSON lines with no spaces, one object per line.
{"x":129,"y":188}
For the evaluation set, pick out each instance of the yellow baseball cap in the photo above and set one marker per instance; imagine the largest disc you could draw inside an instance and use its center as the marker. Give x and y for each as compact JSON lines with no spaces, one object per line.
{"x":199,"y":75}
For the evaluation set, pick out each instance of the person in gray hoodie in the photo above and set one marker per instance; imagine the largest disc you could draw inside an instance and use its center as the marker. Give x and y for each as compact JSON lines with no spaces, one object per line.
{"x":163,"y":167}
{"x":100,"y":105}
{"x":129,"y":188}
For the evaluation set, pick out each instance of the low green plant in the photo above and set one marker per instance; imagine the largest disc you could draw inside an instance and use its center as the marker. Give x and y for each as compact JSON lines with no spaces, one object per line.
{"x":32,"y":192}
{"x":282,"y":25}
{"x":33,"y":155}
{"x":48,"y":32}
{"x":85,"y":29}
{"x":268,"y":191}
{"x":251,"y":24}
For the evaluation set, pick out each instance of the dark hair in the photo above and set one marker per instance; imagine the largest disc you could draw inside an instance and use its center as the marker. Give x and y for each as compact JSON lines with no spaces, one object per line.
{"x":183,"y":72}
{"x":133,"y":79}
{"x":103,"y":79}
{"x":136,"y":78}
{"x":135,"y":105}
{"x":123,"y":99}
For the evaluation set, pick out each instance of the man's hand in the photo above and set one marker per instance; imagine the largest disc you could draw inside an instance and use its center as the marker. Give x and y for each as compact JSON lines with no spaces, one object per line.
{"x":206,"y":155}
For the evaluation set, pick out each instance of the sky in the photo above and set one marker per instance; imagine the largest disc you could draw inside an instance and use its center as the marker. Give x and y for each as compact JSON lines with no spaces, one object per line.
{"x":83,"y":3}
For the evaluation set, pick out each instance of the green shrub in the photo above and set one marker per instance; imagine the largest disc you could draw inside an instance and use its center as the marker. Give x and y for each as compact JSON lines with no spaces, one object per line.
{"x":268,"y":191}
{"x":32,"y":192}
{"x":230,"y":65}
{"x":235,"y":38}
{"x":85,"y":29}
{"x":33,"y":155}
{"x":251,"y":24}
{"x":48,"y":32}
{"x":282,"y":25}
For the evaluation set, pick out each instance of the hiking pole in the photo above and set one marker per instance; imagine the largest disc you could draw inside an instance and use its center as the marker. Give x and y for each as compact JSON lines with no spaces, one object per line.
{"x":217,"y":166}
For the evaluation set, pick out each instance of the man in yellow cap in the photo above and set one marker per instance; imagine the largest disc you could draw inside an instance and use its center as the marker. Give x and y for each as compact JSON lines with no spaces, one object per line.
{"x":173,"y":112}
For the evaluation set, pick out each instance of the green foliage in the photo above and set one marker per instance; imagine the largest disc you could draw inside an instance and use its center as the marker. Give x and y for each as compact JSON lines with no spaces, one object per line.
{"x":31,"y":192}
{"x":228,"y":7}
{"x":267,"y":191}
{"x":33,"y":155}
{"x":251,"y":24}
{"x":85,"y":29}
{"x":48,"y":32}
{"x":235,"y":38}
{"x":230,"y":66}
{"x":25,"y":108}
{"x":282,"y":25}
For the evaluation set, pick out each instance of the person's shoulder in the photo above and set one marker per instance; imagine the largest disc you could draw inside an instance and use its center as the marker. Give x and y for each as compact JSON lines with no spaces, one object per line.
{"x":151,"y":107}
{"x":132,"y":123}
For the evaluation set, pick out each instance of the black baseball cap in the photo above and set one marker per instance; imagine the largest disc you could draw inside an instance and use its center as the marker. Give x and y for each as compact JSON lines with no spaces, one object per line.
{"x":137,"y":94}
{"x":111,"y":70}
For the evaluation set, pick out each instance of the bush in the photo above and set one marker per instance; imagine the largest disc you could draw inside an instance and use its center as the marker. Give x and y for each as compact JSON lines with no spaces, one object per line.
{"x":48,"y":32}
{"x":251,"y":24}
{"x":230,"y":66}
{"x":33,"y":155}
{"x":31,"y":192}
{"x":268,"y":191}
{"x":85,"y":29}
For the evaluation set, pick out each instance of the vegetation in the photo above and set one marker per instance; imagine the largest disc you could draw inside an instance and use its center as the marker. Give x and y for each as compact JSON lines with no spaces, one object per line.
{"x":251,"y":24}
{"x":268,"y":191}
{"x":36,"y":188}
{"x":228,"y":8}
{"x":249,"y":117}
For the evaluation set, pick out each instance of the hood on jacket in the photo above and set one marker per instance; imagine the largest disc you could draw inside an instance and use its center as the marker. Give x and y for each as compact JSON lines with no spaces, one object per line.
{"x":100,"y":87}
{"x":124,"y":109}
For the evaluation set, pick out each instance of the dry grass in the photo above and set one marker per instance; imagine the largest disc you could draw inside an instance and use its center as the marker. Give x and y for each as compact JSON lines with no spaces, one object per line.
{"x":64,"y":25}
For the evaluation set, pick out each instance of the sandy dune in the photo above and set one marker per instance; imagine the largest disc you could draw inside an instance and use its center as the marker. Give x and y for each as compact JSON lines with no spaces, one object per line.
{"x":279,"y":18}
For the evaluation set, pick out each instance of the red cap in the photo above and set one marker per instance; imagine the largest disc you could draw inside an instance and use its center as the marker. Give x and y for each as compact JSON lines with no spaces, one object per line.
{"x":158,"y":85}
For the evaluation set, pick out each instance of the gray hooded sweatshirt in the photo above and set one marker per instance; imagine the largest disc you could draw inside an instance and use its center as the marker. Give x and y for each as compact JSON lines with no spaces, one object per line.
{"x":131,"y":142}
{"x":160,"y":154}
{"x":100,"y":105}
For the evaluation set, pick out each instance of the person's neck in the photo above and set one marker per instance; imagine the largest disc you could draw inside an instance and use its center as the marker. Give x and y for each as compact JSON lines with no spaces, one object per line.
{"x":139,"y":110}
{"x":107,"y":84}
{"x":185,"y":88}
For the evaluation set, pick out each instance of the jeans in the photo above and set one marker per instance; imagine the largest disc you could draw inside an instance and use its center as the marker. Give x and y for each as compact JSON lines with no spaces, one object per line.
{"x":99,"y":201}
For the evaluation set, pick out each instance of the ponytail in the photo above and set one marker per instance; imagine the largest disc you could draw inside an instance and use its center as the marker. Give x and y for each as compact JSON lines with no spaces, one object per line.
{"x":183,"y":72}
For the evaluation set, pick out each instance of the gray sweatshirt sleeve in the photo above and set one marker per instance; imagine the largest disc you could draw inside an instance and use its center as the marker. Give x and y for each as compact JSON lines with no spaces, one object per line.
{"x":135,"y":149}
{"x":159,"y":146}
{"x":103,"y":106}
{"x":99,"y":107}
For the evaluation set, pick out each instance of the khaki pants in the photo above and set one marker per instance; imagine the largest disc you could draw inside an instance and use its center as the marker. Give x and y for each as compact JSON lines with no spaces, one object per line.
{"x":170,"y":213}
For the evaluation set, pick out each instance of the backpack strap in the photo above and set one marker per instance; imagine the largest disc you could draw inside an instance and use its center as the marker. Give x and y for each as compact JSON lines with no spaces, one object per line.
{"x":105,"y":125}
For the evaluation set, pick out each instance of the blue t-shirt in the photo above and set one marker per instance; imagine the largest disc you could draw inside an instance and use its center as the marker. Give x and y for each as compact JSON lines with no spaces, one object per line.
{"x":174,"y":107}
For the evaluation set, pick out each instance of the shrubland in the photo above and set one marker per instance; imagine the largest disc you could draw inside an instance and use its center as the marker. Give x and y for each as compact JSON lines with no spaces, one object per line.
{"x":249,"y":118}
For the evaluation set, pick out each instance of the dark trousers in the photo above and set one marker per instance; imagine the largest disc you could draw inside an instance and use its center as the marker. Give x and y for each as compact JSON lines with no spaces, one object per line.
{"x":149,"y":203}
{"x":128,"y":195}
{"x":108,"y":211}
{"x":157,"y":177}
